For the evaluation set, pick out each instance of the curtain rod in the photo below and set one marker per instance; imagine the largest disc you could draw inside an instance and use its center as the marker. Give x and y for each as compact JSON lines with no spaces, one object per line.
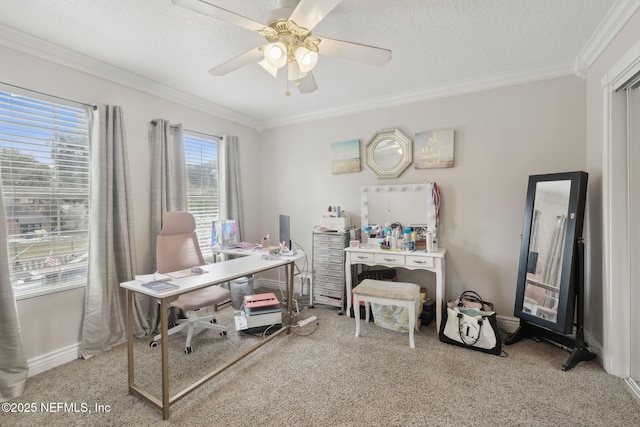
{"x":153,"y":122}
{"x":93,"y":106}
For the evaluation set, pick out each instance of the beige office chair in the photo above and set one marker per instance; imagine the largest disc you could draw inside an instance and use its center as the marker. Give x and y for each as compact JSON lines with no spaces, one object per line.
{"x":177,"y":249}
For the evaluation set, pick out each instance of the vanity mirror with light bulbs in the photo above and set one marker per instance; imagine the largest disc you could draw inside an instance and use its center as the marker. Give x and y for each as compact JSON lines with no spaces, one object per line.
{"x":406,"y":204}
{"x":389,"y":153}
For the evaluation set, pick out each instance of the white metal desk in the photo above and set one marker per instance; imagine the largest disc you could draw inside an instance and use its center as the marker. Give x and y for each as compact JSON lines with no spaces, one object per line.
{"x":241,"y":252}
{"x":416,"y":260}
{"x":216,"y":273}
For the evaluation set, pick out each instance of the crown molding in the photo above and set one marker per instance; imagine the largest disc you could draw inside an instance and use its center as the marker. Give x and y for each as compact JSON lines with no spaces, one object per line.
{"x":619,"y":14}
{"x":616,"y":18}
{"x":54,"y":53}
{"x":428,"y":94}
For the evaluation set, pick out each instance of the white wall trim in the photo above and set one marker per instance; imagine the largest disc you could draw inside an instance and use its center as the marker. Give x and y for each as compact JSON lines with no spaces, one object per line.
{"x":615,"y":218}
{"x":44,"y":362}
{"x":263,"y":282}
{"x":620,"y":13}
{"x":616,"y":18}
{"x":57,"y":54}
{"x":635,"y":388}
{"x":414,"y":96}
{"x":508,"y":323}
{"x":51,"y":52}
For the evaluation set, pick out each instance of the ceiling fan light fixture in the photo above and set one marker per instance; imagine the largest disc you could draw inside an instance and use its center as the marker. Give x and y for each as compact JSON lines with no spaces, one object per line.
{"x":276,"y":54}
{"x":294,"y":72}
{"x":269,"y":68}
{"x":306,"y":59}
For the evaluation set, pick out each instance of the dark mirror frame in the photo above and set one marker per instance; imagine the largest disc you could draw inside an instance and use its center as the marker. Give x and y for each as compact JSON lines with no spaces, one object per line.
{"x":564,"y":321}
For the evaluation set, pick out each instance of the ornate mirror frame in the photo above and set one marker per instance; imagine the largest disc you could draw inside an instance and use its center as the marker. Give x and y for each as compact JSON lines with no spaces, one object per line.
{"x":377,"y":161}
{"x":547,"y":274}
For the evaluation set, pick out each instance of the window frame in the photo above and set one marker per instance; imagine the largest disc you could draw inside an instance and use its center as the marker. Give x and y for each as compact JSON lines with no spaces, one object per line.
{"x":208,"y":198}
{"x":56,"y":133}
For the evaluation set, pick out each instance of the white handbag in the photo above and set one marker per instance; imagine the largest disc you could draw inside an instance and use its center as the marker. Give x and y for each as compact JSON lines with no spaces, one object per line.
{"x":471,"y":322}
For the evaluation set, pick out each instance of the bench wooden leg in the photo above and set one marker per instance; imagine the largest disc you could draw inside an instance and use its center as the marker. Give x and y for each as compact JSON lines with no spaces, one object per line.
{"x":412,"y":323}
{"x":411,"y":306}
{"x":356,"y":312}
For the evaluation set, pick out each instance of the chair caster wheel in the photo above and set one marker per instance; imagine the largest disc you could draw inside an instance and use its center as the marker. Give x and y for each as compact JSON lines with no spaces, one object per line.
{"x":153,"y":344}
{"x":213,"y":320}
{"x":188,"y":350}
{"x":223,"y":333}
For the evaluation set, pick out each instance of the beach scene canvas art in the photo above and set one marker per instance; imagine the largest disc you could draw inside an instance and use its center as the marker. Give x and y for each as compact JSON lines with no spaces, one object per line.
{"x":345,"y":157}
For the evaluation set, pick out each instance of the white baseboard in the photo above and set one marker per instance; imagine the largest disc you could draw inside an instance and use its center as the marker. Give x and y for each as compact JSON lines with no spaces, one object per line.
{"x":594,"y":345}
{"x":42,"y":363}
{"x":634,"y":386}
{"x":274,"y":284}
{"x":508,"y":323}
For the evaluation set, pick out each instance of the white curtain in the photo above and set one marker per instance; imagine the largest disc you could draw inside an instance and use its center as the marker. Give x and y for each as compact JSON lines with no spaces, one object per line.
{"x":553,"y":265}
{"x":111,"y":236}
{"x":230,"y":186}
{"x":168,"y":175}
{"x":13,"y":363}
{"x":168,"y":193}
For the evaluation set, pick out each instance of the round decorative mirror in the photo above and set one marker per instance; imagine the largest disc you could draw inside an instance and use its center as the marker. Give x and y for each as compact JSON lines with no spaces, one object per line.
{"x":389,"y":153}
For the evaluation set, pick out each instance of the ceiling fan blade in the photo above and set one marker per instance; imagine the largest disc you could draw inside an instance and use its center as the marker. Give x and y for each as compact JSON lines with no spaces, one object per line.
{"x":208,"y":9}
{"x":309,"y":12}
{"x":307,"y":84}
{"x":237,"y":62}
{"x":354,"y":51}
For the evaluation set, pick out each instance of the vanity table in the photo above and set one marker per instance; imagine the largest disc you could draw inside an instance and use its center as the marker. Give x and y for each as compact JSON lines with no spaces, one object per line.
{"x":416,"y":260}
{"x":407,"y":204}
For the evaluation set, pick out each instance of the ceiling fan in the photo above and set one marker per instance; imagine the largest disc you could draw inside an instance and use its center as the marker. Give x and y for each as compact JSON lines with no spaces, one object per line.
{"x":289,"y":41}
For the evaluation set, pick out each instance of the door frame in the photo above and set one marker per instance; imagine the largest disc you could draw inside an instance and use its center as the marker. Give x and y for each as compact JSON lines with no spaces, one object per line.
{"x":615,"y":216}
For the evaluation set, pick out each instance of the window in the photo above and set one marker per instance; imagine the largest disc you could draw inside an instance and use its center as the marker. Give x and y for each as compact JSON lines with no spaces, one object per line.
{"x":201,"y":157}
{"x":44,"y":167}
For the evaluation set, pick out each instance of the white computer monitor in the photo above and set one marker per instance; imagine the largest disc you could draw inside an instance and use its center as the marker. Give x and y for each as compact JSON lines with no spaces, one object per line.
{"x":285,"y":231}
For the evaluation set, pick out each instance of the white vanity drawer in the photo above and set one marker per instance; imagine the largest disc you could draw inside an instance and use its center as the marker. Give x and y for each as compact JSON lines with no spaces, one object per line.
{"x":389,"y":259}
{"x":419,"y":261}
{"x":361,"y":257}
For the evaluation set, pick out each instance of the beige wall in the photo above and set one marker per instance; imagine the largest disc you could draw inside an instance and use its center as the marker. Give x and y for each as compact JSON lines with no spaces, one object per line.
{"x":502,"y":137}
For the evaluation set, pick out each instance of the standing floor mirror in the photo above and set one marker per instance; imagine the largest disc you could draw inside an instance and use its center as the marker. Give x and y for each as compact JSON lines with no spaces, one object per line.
{"x":550,"y":285}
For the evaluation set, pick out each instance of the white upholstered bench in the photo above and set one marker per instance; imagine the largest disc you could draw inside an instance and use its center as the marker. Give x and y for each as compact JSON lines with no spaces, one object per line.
{"x":400,"y":294}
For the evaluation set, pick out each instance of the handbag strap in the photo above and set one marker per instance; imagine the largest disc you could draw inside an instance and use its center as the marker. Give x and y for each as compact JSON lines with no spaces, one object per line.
{"x":480,"y":322}
{"x":477,"y":297}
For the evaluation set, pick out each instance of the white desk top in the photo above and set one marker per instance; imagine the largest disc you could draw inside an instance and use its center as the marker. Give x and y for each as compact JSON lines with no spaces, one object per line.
{"x":215,"y":273}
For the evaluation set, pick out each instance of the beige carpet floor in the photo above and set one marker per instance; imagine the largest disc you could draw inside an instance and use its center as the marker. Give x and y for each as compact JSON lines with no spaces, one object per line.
{"x":324,"y":376}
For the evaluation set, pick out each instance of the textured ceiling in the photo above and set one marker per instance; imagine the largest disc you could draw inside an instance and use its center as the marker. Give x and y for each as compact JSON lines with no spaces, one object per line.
{"x":438,"y":47}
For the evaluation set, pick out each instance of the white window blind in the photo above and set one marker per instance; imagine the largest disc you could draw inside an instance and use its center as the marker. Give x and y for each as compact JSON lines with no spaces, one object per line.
{"x":201,"y":157}
{"x":44,"y":166}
